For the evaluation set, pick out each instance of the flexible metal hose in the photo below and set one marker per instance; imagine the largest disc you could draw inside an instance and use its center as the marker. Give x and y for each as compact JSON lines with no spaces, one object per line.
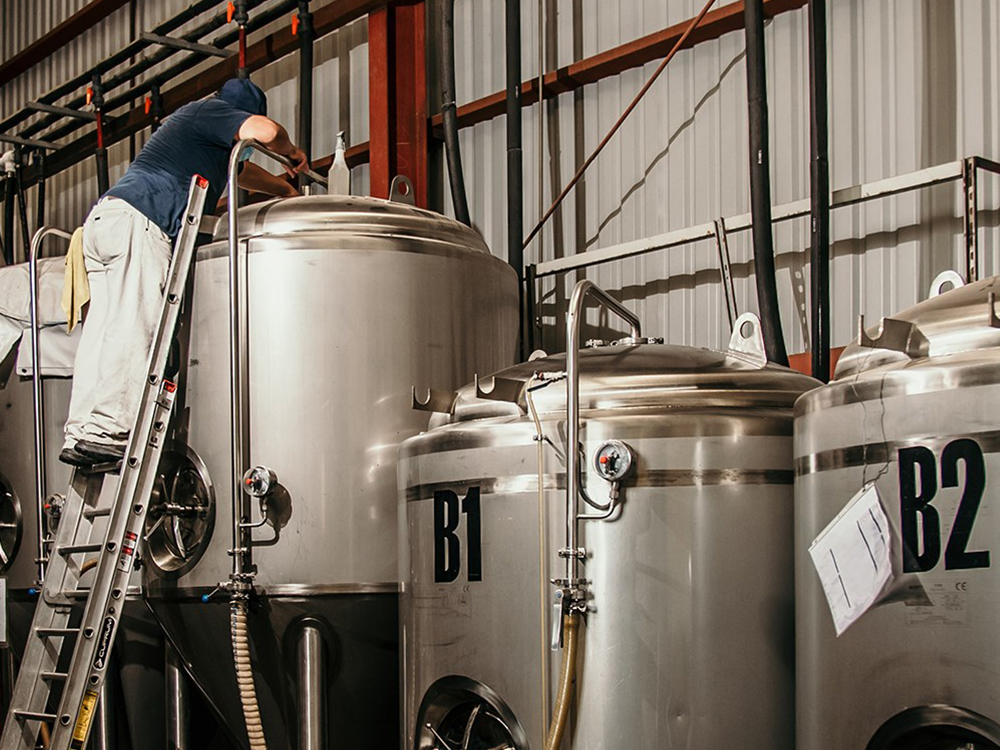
{"x":244,"y":674}
{"x":567,"y":676}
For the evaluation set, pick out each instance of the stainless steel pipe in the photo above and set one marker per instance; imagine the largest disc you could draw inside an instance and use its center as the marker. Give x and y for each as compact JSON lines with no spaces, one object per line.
{"x":178,"y":702}
{"x":312,"y":689}
{"x":38,"y":401}
{"x":574,"y":324}
{"x":239,"y":368}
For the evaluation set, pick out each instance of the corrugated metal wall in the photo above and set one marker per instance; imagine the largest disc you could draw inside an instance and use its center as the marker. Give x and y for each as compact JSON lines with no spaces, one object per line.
{"x":913,"y":83}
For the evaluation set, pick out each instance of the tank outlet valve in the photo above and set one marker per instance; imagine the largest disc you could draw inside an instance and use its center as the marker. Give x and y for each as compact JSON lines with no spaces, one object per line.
{"x":259,"y":481}
{"x":613,"y":460}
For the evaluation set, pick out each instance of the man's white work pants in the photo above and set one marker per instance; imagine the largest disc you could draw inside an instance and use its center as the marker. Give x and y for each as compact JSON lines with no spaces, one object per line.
{"x":127,"y":258}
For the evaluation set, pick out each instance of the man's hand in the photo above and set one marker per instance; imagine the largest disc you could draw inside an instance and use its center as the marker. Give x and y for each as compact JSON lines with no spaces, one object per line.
{"x":260,"y":180}
{"x":299,"y":160}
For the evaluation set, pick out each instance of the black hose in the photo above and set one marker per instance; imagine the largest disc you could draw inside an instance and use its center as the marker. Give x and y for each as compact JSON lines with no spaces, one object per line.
{"x":8,"y":219}
{"x":515,"y":155}
{"x":40,"y":194}
{"x":760,"y":184}
{"x":22,"y":209}
{"x":449,"y":116}
{"x":306,"y":34}
{"x":819,"y":175}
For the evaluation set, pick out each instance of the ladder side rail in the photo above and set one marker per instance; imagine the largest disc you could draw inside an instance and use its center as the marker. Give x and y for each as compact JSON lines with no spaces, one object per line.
{"x":102,"y":612}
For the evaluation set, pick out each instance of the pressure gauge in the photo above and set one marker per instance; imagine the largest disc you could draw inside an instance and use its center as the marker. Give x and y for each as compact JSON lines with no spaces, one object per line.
{"x":259,"y":481}
{"x":613,"y":460}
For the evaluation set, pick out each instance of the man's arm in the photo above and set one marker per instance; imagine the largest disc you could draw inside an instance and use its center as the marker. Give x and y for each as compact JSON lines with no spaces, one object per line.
{"x":260,"y":180}
{"x":274,"y":137}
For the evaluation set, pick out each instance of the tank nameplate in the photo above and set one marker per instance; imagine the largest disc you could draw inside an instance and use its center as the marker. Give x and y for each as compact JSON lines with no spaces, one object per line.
{"x":921,"y":522}
{"x":447,"y":544}
{"x":949,"y":604}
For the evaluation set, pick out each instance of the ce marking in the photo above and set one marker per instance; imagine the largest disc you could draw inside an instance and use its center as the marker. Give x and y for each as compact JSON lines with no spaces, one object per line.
{"x":962,"y":586}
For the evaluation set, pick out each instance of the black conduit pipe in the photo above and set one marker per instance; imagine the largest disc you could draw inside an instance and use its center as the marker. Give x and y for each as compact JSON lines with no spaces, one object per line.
{"x":3,"y":231}
{"x":40,"y":194}
{"x":452,"y":151}
{"x":305,"y":34}
{"x":515,"y":158}
{"x":819,"y":176}
{"x":760,"y":184}
{"x":22,"y":208}
{"x":8,"y":219}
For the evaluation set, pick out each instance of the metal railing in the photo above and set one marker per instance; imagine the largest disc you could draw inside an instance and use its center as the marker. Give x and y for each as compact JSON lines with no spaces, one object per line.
{"x":239,"y":358}
{"x":966,"y":170}
{"x":38,"y":401}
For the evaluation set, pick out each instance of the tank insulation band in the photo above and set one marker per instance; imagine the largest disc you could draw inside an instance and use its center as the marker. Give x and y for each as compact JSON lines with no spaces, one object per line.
{"x":244,"y":674}
{"x":567,"y":676}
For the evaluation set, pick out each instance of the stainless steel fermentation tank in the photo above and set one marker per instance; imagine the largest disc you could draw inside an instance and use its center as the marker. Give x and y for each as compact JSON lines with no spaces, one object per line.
{"x":915,"y":410}
{"x":352,"y":302}
{"x":137,"y":688}
{"x":687,"y":640}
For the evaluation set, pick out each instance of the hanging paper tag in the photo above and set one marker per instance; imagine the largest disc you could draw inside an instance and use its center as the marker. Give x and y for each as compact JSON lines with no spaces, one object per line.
{"x":853,"y":558}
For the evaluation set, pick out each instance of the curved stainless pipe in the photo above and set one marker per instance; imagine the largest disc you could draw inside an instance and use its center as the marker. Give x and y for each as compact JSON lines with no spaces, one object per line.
{"x":238,"y":356}
{"x":574,"y":323}
{"x":38,"y":402}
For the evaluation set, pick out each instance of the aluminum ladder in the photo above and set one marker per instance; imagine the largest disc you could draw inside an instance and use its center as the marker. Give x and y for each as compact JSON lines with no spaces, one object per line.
{"x":53,"y":686}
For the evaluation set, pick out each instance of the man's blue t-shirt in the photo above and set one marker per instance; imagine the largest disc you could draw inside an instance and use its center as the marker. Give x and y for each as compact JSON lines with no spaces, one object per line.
{"x":196,"y":139}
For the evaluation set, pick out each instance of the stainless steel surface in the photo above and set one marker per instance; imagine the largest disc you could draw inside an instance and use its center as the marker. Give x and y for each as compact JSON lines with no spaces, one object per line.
{"x":38,"y":400}
{"x":903,"y":671}
{"x":312,"y":689}
{"x":574,"y":325}
{"x":354,"y":302}
{"x":178,"y":702}
{"x":689,"y":641}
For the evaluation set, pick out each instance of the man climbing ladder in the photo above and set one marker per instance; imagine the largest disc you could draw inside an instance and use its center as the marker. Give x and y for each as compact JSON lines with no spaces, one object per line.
{"x":109,"y":525}
{"x":127,"y":239}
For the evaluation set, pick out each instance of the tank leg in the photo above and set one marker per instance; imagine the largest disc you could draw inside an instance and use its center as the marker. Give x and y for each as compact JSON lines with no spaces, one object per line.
{"x":312,"y":693}
{"x":104,"y":735}
{"x":178,"y":703}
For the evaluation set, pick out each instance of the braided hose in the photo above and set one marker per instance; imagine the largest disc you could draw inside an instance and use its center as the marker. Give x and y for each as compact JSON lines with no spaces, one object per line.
{"x":244,"y":674}
{"x":567,"y":676}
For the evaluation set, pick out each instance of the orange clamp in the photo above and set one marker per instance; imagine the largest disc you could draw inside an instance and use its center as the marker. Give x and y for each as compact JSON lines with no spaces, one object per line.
{"x":149,"y":104}
{"x":295,"y":25}
{"x":90,"y":94}
{"x":230,"y":12}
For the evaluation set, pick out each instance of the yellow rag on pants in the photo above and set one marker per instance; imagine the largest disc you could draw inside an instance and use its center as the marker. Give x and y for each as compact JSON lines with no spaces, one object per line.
{"x":76,"y":287}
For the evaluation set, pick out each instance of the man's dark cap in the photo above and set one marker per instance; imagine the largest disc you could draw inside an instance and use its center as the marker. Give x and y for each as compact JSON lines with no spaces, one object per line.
{"x":245,"y":95}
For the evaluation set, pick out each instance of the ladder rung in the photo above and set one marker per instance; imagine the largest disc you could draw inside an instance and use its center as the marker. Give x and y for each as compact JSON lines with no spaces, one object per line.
{"x":78,"y":594}
{"x":49,"y":632}
{"x":34,"y":716}
{"x":73,"y":549}
{"x":54,"y":676}
{"x":96,"y":512}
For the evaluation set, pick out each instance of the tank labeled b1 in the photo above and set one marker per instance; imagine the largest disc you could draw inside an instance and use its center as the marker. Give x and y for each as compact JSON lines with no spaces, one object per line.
{"x":353,"y":302}
{"x":684,"y":554}
{"x":914,"y":410}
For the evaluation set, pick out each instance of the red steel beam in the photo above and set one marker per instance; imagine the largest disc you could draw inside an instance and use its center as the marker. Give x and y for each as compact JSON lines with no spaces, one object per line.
{"x":397,"y":84}
{"x":83,"y":20}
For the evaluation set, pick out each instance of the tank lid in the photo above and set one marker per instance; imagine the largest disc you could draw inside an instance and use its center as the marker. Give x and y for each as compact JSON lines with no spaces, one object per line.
{"x":961,"y":320}
{"x":633,"y":375}
{"x":372,"y":217}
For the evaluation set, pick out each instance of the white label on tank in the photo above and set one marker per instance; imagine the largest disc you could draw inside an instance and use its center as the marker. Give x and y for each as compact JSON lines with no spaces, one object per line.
{"x":949,"y":604}
{"x":853,"y":558}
